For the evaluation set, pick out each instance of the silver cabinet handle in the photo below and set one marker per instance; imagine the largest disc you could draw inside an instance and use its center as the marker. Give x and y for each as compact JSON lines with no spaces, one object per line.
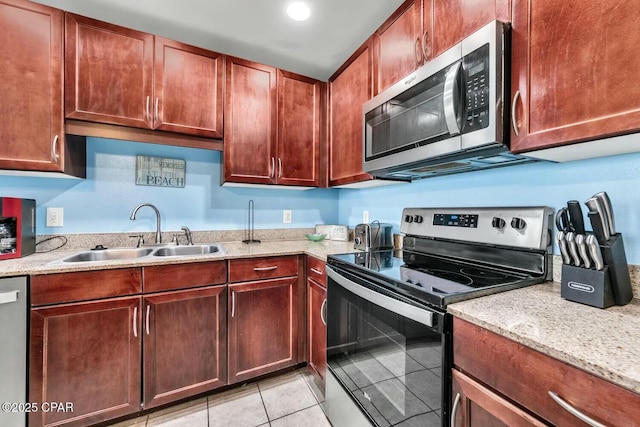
{"x":135,"y":322}
{"x":417,"y":50}
{"x":315,"y":270}
{"x":417,"y":314}
{"x":323,"y":312}
{"x":9,"y":297}
{"x":233,"y":304}
{"x":273,"y":267}
{"x":573,"y":411}
{"x":450,"y":95}
{"x":514,"y":125}
{"x":147,"y":318}
{"x":146,"y":113}
{"x":54,"y":149}
{"x":425,"y":49}
{"x":279,"y":167}
{"x":155,"y":112}
{"x":454,"y":410}
{"x":272,"y":171}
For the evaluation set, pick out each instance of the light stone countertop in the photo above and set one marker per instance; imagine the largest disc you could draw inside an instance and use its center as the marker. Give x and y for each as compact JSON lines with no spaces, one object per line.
{"x":605,"y":342}
{"x":49,"y":262}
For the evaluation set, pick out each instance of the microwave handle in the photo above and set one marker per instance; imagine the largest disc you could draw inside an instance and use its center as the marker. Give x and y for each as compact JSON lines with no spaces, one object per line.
{"x":449,"y":96}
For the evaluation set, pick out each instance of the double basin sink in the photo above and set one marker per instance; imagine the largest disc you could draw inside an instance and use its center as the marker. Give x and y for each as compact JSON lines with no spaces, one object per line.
{"x":133,"y":253}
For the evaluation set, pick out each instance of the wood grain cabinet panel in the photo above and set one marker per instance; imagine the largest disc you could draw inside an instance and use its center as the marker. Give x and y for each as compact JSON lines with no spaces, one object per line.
{"x":185,"y":351}
{"x":31,"y":114}
{"x":525,"y":377}
{"x":573,"y":71}
{"x":398,"y":45}
{"x":350,"y":88}
{"x":317,"y":327}
{"x":87,"y":354}
{"x":247,"y":269}
{"x":263,"y":330}
{"x":183,"y":276}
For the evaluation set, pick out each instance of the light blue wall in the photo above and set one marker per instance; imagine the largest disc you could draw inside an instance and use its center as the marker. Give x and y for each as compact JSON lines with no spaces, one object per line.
{"x":550,"y":184}
{"x":103,"y":202}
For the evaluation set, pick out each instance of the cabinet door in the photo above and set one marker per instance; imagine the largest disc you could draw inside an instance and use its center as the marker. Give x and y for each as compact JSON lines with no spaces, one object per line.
{"x":263,"y":327}
{"x":250,"y":122}
{"x":184,"y":344}
{"x":108,"y":73}
{"x":398,"y":46}
{"x":453,"y":20}
{"x":298,"y":161}
{"x":475,"y":405}
{"x":573,"y":71}
{"x":349,"y":90}
{"x":317,"y":334}
{"x":31,"y":122}
{"x":87,"y":354}
{"x":188,"y":89}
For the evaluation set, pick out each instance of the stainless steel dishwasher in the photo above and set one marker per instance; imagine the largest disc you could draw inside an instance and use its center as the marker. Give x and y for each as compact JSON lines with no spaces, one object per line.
{"x":13,"y":351}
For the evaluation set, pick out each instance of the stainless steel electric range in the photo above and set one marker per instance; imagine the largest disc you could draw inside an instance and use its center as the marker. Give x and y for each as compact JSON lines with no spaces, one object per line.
{"x":389,"y":343}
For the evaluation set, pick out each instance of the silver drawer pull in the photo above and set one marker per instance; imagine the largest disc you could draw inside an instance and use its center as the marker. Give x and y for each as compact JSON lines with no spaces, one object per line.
{"x":454,"y":410}
{"x":147,"y":320}
{"x":573,"y":411}
{"x":273,"y":267}
{"x":315,"y":270}
{"x":135,"y":321}
{"x":233,"y":304}
{"x":9,"y":297}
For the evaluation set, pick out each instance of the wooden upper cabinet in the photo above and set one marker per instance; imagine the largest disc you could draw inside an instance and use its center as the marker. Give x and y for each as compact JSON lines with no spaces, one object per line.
{"x":298,"y":148}
{"x":108,"y":73}
{"x":573,"y":71}
{"x":188,"y":89}
{"x":251,"y":122}
{"x":349,"y":89}
{"x":453,"y":20}
{"x":120,"y":76}
{"x":31,"y":120}
{"x":398,"y":45}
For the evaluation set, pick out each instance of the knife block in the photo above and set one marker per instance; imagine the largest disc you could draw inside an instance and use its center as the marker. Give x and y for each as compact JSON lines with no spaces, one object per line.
{"x":586,"y":286}
{"x":614,"y":257}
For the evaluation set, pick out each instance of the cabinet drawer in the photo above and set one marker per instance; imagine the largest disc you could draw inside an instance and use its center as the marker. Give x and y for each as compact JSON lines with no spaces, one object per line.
{"x":84,"y":285}
{"x":183,"y":276}
{"x":316,"y":271}
{"x":526,"y":376}
{"x":244,"y":270}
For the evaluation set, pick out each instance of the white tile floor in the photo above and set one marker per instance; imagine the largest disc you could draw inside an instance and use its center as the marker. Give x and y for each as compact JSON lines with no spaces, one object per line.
{"x":291,"y":399}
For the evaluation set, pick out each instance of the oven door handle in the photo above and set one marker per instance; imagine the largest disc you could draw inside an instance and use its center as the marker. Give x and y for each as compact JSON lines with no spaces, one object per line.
{"x":409,"y":311}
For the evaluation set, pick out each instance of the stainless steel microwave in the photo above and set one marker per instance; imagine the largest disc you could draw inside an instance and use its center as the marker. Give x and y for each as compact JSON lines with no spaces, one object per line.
{"x":449,"y":116}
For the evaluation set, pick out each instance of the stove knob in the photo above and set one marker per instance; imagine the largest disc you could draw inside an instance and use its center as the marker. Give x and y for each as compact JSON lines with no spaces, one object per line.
{"x":417,"y":218}
{"x":408,"y":218}
{"x":357,"y":241}
{"x":518,"y":223}
{"x":498,"y":222}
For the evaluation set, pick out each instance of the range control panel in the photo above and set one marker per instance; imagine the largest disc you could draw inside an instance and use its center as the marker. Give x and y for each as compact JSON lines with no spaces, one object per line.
{"x":522,"y":227}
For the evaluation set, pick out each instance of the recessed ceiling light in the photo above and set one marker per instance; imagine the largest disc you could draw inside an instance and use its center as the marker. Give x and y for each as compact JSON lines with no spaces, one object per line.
{"x":298,"y":11}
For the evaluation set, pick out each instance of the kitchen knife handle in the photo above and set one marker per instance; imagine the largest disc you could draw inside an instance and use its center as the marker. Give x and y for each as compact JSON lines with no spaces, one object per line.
{"x":573,"y":249}
{"x":582,"y":250}
{"x":575,"y":216}
{"x":608,"y":209}
{"x":594,"y":251}
{"x":596,"y":205}
{"x":598,"y":227}
{"x":564,"y":251}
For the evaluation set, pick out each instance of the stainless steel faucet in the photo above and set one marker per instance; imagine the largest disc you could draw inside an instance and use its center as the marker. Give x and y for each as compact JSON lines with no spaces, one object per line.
{"x":187,"y":233}
{"x":133,"y":217}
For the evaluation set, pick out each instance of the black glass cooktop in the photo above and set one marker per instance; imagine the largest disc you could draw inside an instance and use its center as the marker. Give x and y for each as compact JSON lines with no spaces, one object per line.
{"x":431,"y":279}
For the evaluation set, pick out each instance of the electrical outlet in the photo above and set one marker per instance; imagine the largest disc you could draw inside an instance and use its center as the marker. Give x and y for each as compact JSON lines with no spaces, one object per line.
{"x":365,"y":217}
{"x":286,"y":217}
{"x":55,"y":217}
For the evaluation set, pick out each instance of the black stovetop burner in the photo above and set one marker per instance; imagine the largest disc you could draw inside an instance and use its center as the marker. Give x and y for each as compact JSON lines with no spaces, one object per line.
{"x":432,"y":279}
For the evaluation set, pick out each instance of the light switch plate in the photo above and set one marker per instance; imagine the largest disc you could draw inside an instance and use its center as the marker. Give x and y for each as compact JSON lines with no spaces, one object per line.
{"x":55,"y":217}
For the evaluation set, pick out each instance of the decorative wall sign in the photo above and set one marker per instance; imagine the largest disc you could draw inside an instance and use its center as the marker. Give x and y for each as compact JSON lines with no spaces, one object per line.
{"x":159,"y":172}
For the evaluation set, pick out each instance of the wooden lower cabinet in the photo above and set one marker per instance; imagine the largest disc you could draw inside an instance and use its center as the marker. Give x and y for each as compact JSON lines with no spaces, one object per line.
{"x":263,"y":327}
{"x":87,"y":354}
{"x":184,"y":339}
{"x":317,"y":328}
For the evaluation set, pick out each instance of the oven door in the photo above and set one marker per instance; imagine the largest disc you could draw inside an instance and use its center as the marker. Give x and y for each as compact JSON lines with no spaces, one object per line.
{"x":388,"y":357}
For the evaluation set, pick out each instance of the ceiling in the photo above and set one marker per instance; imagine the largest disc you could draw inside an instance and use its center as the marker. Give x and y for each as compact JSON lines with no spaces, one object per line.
{"x":258,"y":30}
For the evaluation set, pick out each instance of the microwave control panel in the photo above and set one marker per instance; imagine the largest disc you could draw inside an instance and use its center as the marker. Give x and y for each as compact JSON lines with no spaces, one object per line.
{"x":476,"y":85}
